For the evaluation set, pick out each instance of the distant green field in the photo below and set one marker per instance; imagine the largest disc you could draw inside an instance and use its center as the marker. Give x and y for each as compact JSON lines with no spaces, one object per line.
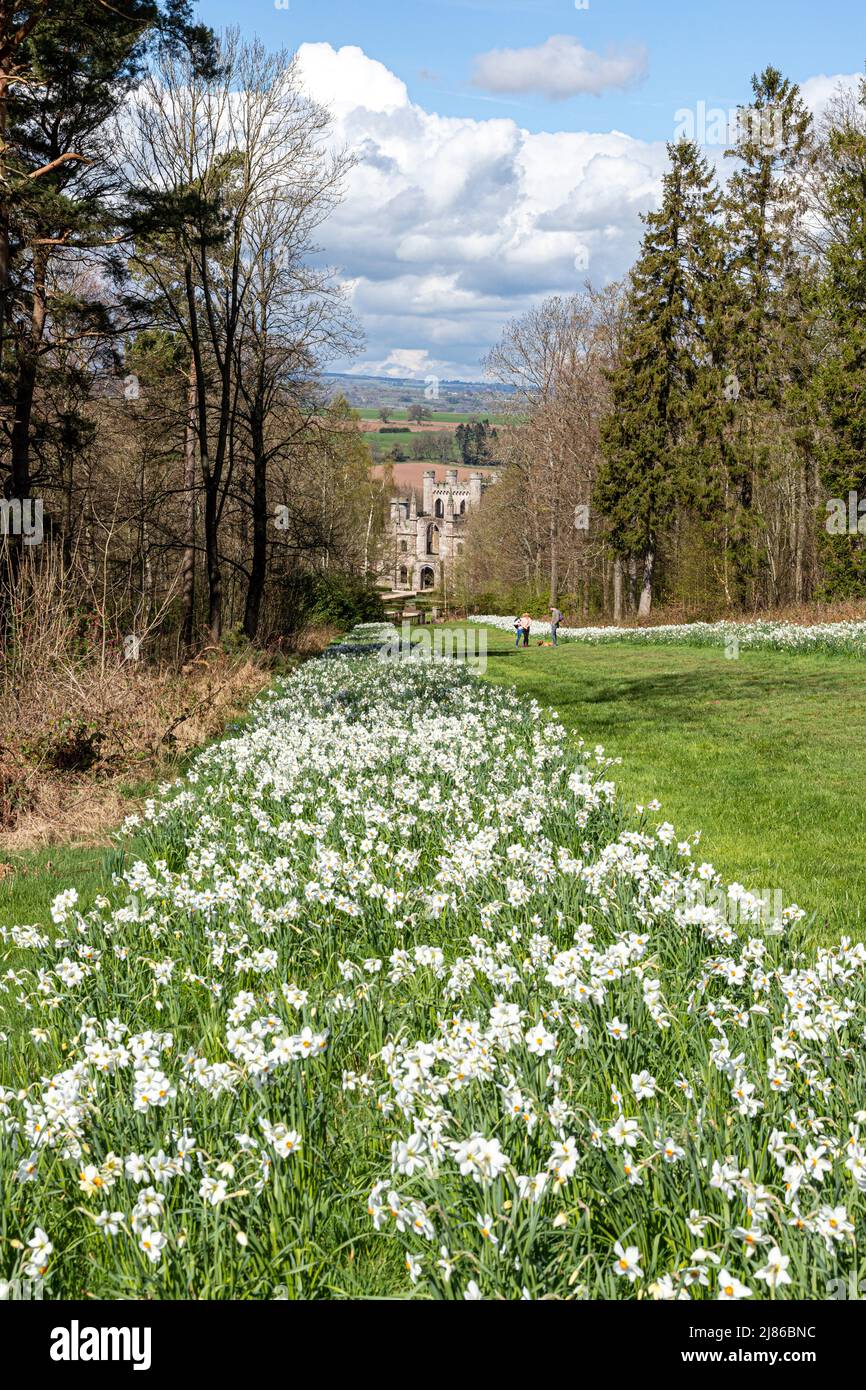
{"x":443,"y":417}
{"x":383,"y":443}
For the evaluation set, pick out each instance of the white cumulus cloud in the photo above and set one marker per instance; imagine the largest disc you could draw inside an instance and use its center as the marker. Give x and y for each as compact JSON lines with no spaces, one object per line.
{"x":818,"y":92}
{"x":452,"y":225}
{"x":560,"y":67}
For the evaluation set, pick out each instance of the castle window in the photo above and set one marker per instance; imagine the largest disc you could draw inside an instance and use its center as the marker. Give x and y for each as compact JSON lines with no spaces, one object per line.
{"x":432,"y":540}
{"x":403,"y":546}
{"x":462,"y":508}
{"x":459,"y":547}
{"x":404,"y":576}
{"x":439,"y":510}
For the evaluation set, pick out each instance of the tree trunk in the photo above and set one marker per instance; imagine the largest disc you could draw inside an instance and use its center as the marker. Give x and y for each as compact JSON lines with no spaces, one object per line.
{"x":646,"y":593}
{"x":25,"y":385}
{"x":258,"y":565}
{"x":211,"y":469}
{"x":187,"y":564}
{"x":617,"y":588}
{"x":367,"y":534}
{"x":214,"y":577}
{"x":554,"y":532}
{"x":4,"y":214}
{"x":554,"y":571}
{"x":632,"y":583}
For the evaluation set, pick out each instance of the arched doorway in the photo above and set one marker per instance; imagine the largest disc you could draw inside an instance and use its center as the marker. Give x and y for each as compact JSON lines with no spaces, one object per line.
{"x":428,"y":578}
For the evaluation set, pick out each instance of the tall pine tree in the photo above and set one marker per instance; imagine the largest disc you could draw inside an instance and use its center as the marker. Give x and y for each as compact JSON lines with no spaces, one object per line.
{"x":644,"y":469}
{"x":763,"y":310}
{"x":841,"y":383}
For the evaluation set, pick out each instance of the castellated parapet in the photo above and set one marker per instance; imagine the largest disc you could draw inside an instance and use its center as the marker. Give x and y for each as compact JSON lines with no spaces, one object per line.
{"x":425,"y":541}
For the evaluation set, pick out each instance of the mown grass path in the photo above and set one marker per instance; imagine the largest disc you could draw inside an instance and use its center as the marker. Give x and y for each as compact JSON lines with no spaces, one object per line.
{"x":766,"y":754}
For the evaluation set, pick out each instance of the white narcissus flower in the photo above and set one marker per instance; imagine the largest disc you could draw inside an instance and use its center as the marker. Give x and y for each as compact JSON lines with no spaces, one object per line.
{"x":110,"y":1222}
{"x":539,"y":1041}
{"x":152,"y":1243}
{"x":627,"y":1263}
{"x":213,"y":1191}
{"x":775,"y":1271}
{"x":563,"y":1159}
{"x":90,"y":1179}
{"x":485,"y":1226}
{"x":730,"y":1289}
{"x":625,"y":1132}
{"x":643,"y":1085}
{"x":41,"y":1250}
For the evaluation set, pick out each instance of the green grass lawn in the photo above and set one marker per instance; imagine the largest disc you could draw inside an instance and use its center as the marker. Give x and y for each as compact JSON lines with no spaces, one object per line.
{"x":38,"y":876}
{"x":765,"y":755}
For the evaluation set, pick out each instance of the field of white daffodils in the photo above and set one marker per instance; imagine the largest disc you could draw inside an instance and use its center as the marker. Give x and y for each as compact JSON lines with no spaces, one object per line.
{"x":393,"y":999}
{"x":842,"y":638}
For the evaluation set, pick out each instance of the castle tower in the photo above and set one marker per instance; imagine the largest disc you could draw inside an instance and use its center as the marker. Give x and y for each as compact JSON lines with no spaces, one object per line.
{"x":476,"y":483}
{"x":429,"y":480}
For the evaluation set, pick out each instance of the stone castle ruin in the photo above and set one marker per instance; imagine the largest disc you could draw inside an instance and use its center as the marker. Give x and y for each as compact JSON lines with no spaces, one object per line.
{"x":423,"y":544}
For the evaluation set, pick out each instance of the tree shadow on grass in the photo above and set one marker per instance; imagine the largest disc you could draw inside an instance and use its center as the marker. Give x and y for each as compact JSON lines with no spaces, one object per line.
{"x":681,"y":698}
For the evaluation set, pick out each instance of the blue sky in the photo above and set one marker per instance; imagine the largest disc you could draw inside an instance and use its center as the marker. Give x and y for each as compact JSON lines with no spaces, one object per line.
{"x":507,"y":147}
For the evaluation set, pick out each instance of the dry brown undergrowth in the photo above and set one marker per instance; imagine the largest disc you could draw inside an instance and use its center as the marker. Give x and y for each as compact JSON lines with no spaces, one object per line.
{"x":804,"y":614}
{"x":79,"y":736}
{"x":84,"y":736}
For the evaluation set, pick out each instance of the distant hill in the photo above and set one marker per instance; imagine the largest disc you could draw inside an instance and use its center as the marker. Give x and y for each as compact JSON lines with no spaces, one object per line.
{"x":375,"y":392}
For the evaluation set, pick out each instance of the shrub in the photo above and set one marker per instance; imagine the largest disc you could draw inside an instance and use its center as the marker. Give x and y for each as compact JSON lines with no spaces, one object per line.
{"x":71,"y":744}
{"x":344,"y":599}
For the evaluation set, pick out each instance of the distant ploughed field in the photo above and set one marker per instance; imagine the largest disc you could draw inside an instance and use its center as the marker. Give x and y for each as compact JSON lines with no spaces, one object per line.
{"x":410,"y":426}
{"x":411,"y":474}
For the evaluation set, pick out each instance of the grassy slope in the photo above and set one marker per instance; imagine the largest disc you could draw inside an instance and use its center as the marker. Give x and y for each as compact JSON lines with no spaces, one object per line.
{"x":765,"y":755}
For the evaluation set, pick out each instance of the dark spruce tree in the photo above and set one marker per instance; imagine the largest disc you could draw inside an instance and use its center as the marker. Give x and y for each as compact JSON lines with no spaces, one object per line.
{"x":762,"y":323}
{"x":65,"y":69}
{"x":644,"y":470}
{"x":841,"y":381}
